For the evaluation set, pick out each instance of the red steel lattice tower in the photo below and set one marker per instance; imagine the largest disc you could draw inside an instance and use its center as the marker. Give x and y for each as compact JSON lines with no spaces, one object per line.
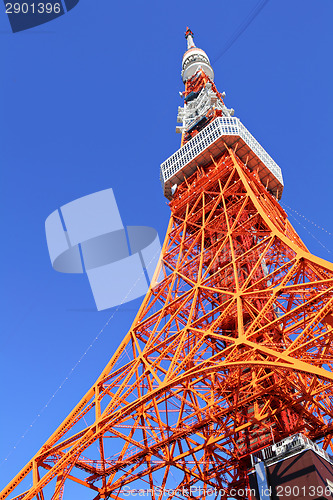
{"x":232,"y":346}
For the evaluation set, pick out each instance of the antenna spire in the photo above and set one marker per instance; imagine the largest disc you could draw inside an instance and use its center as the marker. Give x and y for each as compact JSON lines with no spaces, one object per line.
{"x":194,"y":59}
{"x":189,"y":38}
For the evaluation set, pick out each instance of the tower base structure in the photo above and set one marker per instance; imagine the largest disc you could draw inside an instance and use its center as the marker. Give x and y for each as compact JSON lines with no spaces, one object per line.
{"x":293,"y":468}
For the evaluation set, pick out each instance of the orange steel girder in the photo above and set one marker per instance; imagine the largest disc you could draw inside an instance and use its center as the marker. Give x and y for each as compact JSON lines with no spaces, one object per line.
{"x":231,"y":347}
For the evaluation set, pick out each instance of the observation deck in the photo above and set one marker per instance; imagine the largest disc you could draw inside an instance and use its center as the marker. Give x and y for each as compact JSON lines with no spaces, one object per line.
{"x":212,"y":141}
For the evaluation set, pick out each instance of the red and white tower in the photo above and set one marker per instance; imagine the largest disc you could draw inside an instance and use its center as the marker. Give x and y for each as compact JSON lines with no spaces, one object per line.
{"x":231,"y":350}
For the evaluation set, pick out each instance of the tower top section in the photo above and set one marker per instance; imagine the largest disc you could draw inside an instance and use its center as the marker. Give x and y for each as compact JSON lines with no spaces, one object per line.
{"x":195,"y":58}
{"x":209,"y":128}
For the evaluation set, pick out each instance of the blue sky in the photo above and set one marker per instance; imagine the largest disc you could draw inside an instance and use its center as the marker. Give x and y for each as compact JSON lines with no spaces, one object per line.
{"x":89,"y":101}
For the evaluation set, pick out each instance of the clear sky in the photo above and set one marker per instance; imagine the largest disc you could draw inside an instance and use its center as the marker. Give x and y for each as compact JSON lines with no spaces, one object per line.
{"x":89,"y":101}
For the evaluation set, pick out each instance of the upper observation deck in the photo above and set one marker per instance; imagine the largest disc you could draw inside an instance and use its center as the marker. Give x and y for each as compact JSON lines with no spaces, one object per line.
{"x":210,"y":142}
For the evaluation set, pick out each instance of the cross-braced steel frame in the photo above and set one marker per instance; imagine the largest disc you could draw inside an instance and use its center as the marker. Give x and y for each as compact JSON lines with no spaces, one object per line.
{"x":231,"y":347}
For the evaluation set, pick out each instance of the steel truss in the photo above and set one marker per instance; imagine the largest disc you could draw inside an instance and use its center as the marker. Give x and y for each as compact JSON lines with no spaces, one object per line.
{"x":231,"y":348}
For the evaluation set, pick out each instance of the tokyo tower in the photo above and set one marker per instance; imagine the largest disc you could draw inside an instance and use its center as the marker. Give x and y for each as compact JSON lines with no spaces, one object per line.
{"x":231,"y":351}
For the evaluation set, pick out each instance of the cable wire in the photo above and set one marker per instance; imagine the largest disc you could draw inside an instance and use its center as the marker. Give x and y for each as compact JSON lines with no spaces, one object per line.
{"x":308,"y":220}
{"x":240,"y":30}
{"x":78,"y":362}
{"x":313,"y":236}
